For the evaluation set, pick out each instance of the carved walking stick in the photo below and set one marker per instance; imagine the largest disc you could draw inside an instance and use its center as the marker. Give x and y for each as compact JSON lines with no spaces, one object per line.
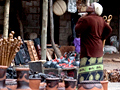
{"x":5,"y":53}
{"x":8,"y":48}
{"x":15,"y":48}
{"x":10,"y":40}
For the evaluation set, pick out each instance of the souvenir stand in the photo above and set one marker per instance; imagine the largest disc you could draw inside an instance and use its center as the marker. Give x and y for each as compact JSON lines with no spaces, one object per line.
{"x":29,"y":65}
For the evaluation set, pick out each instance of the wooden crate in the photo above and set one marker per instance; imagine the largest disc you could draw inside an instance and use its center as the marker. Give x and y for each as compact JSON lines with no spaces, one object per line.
{"x":37,"y":66}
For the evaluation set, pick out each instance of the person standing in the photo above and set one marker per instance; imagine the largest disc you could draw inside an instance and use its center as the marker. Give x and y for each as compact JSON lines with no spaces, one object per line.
{"x":93,"y":30}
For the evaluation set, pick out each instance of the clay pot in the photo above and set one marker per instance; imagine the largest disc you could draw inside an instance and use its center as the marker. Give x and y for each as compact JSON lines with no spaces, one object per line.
{"x":70,"y":84}
{"x":52,"y":83}
{"x":34,"y":83}
{"x":3,"y":77}
{"x":11,"y":84}
{"x":22,"y":79}
{"x":42,"y":86}
{"x":104,"y":84}
{"x":90,"y":85}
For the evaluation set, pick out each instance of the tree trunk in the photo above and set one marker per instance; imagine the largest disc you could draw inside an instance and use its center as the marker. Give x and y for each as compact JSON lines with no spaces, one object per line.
{"x":119,"y":31}
{"x":6,"y":18}
{"x":56,"y":50}
{"x":44,"y":30}
{"x":21,"y":26}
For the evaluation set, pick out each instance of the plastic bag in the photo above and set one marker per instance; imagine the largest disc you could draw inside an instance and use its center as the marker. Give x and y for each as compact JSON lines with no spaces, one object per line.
{"x":110,"y":49}
{"x":114,"y":42}
{"x":72,"y":8}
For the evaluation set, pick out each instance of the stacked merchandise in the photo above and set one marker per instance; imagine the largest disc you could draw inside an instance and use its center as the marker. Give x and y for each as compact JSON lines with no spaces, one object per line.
{"x":65,"y":65}
{"x":32,"y":50}
{"x":22,"y":57}
{"x":29,"y":51}
{"x":9,"y":47}
{"x":69,"y":60}
{"x":50,"y":81}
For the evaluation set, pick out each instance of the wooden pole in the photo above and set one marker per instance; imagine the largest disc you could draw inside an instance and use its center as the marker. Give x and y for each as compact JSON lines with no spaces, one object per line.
{"x":44,"y":30}
{"x":21,"y":26}
{"x":119,"y":30}
{"x":57,"y":51}
{"x":6,"y":18}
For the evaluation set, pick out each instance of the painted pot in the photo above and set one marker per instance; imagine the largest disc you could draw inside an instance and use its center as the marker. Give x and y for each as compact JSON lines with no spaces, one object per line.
{"x":11,"y":84}
{"x":104,"y":84}
{"x":90,"y":85}
{"x":3,"y":70}
{"x":52,"y":83}
{"x":34,"y":83}
{"x":22,"y":79}
{"x":70,"y":84}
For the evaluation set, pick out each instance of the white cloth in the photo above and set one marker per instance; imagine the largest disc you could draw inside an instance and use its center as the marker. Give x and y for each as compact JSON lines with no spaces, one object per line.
{"x":98,"y":8}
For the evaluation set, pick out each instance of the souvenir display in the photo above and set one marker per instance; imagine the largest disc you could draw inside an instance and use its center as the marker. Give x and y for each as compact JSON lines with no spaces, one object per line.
{"x":32,"y":51}
{"x":9,"y":47}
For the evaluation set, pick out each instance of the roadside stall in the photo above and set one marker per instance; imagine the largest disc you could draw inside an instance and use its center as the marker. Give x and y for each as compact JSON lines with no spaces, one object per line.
{"x":35,"y":65}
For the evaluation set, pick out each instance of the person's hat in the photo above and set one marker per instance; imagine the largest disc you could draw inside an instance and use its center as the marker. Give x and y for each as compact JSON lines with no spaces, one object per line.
{"x":98,"y":8}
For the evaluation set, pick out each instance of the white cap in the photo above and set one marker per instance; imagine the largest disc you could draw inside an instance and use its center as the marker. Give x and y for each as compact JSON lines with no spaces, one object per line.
{"x":98,"y":8}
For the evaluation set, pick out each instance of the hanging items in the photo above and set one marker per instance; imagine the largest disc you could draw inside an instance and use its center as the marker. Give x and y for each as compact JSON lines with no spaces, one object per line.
{"x":81,"y":5}
{"x":91,"y":1}
{"x":72,"y":8}
{"x":59,"y":7}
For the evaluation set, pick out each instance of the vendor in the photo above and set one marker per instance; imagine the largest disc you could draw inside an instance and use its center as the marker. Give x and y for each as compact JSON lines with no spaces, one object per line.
{"x":93,"y":30}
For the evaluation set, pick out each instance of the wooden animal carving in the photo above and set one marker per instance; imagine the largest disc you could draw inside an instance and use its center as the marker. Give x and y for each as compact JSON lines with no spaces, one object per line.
{"x":114,"y":76}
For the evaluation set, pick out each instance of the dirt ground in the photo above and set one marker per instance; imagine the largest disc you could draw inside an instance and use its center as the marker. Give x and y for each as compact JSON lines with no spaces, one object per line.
{"x":111,"y":61}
